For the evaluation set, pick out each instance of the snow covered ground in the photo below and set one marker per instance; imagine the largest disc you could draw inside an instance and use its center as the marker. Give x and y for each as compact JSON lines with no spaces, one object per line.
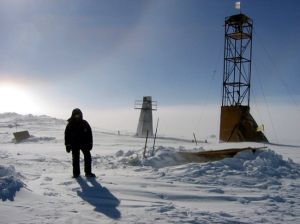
{"x":36,"y":184}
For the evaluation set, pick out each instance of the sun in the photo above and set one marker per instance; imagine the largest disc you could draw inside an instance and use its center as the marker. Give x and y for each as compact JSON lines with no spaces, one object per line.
{"x":16,"y":98}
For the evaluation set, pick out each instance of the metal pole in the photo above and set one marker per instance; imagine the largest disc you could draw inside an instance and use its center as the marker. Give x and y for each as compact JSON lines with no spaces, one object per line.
{"x":195,"y":139}
{"x":155,"y":137}
{"x":144,"y":153}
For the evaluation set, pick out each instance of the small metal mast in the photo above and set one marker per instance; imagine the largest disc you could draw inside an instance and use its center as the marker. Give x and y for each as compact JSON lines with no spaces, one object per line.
{"x":237,"y":60}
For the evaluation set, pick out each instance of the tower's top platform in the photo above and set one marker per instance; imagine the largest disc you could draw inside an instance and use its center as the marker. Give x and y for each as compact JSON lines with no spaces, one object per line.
{"x":238,"y":19}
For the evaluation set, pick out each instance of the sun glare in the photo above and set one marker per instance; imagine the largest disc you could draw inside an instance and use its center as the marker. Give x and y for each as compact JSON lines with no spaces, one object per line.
{"x":15,"y":98}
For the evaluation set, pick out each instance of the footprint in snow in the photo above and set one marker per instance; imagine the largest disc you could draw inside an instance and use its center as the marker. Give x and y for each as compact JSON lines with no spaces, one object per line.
{"x":67,"y":183}
{"x":52,"y":194}
{"x":216,"y":190}
{"x":48,"y":179}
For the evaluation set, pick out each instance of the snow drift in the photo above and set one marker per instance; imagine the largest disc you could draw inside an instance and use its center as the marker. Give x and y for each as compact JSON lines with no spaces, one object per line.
{"x":261,"y":169}
{"x":9,"y":183}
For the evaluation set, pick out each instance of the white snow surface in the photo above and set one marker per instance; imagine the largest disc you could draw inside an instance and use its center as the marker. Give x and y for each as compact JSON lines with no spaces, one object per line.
{"x":36,"y":184}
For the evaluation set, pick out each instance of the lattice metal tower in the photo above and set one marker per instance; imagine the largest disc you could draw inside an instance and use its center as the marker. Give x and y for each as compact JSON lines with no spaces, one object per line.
{"x":236,"y":123}
{"x":237,"y":60}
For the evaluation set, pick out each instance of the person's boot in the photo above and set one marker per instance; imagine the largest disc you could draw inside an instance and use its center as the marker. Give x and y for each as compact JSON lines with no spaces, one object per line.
{"x":90,"y":175}
{"x":75,"y":175}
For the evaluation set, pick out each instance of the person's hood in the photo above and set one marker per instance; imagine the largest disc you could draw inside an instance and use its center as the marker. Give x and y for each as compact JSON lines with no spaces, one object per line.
{"x":76,"y":115}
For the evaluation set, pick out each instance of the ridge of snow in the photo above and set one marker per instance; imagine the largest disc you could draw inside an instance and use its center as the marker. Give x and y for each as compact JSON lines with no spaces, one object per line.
{"x":9,"y":183}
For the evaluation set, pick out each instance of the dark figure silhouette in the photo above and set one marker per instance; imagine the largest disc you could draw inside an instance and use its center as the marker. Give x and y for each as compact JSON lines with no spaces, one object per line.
{"x":100,"y":197}
{"x":78,"y":136}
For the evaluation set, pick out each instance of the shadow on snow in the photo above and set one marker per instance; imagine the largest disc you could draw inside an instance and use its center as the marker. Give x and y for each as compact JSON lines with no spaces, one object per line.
{"x":100,"y":197}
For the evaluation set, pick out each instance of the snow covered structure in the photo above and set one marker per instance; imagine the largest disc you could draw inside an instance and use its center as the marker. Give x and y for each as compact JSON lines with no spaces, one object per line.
{"x":236,"y":123}
{"x":21,"y":135}
{"x":145,"y":121}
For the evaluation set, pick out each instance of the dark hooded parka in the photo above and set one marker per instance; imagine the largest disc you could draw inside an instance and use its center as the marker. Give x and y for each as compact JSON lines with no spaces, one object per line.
{"x":78,"y":136}
{"x":78,"y":133}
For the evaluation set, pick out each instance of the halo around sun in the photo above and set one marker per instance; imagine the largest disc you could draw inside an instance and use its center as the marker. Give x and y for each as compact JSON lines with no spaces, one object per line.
{"x":16,"y":98}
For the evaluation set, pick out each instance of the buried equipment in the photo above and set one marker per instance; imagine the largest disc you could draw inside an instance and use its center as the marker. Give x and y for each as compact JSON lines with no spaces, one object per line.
{"x":214,"y":155}
{"x":21,"y":136}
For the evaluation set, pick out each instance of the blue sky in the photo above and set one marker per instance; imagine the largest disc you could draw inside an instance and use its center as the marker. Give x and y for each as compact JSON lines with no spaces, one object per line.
{"x":105,"y":54}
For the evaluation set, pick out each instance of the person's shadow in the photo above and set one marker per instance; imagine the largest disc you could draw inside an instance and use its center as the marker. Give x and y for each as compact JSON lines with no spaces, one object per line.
{"x":100,"y":197}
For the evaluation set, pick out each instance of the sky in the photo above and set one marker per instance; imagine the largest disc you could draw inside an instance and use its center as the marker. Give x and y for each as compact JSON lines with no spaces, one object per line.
{"x":101,"y":56}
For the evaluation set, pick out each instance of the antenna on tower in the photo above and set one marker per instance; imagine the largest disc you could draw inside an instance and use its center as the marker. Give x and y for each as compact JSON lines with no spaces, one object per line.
{"x":238,"y":6}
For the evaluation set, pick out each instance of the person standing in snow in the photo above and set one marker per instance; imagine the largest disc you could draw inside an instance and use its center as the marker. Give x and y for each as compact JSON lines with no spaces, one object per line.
{"x":78,"y":136}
